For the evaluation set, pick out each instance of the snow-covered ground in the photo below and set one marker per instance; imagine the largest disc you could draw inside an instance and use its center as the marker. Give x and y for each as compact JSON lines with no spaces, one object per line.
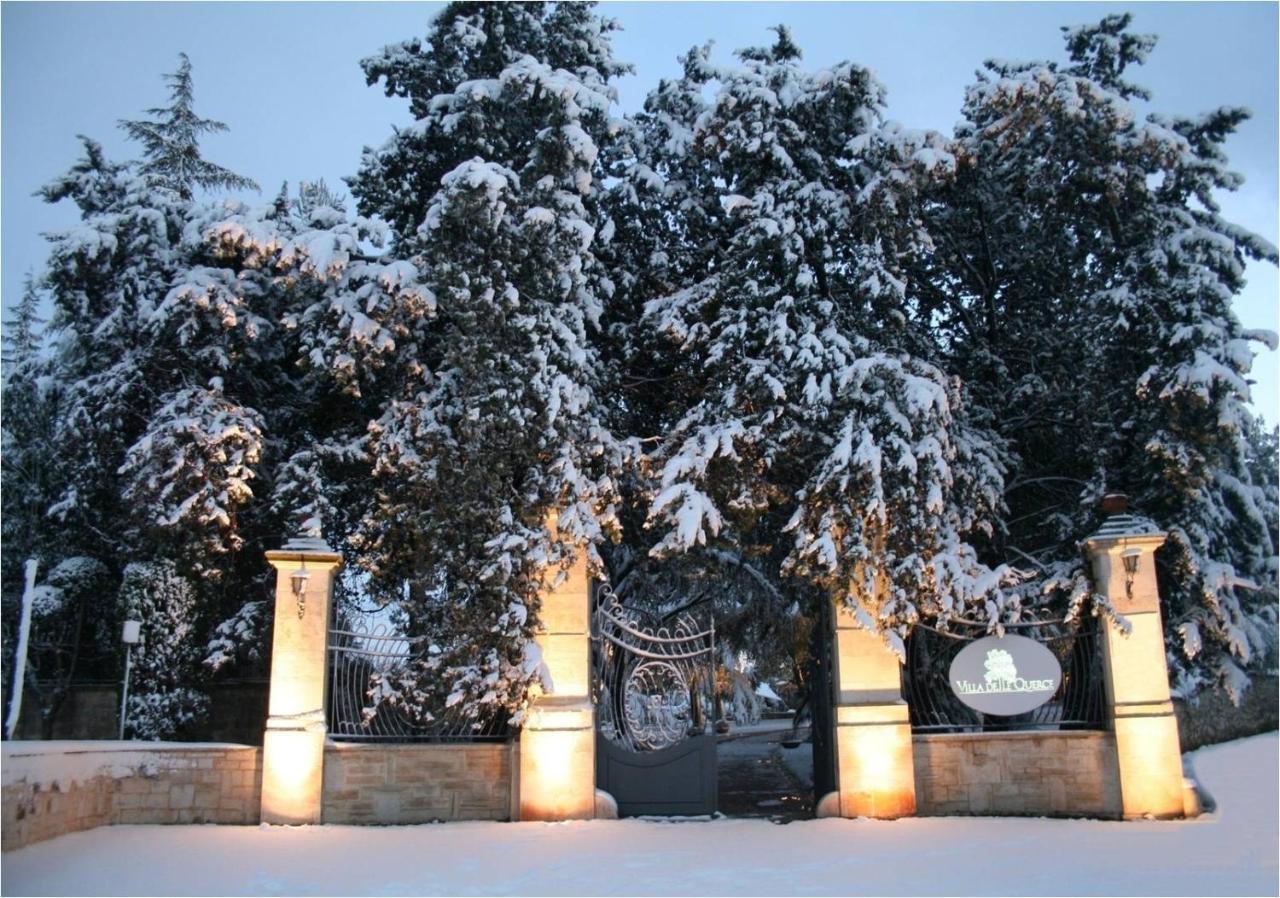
{"x":1230,"y":852}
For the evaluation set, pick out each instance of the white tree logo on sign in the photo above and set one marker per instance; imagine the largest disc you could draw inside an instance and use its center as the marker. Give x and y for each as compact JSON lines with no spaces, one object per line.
{"x":1000,"y":667}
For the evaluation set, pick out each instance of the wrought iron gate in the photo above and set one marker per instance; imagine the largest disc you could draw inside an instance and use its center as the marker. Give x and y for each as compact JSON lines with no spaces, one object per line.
{"x":654,"y":680}
{"x":822,"y":704}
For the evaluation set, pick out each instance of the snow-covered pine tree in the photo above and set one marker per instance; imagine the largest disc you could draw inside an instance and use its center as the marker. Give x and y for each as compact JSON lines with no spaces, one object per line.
{"x":147,"y":444}
{"x":1081,"y":283}
{"x":105,"y":277}
{"x":22,"y":331}
{"x":472,"y":341}
{"x":164,"y":698}
{"x":308,"y":360}
{"x":29,"y":400}
{"x":171,"y":142}
{"x":808,"y":431}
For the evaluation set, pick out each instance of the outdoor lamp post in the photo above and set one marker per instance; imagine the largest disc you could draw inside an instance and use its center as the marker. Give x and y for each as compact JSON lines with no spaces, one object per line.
{"x":130,"y":636}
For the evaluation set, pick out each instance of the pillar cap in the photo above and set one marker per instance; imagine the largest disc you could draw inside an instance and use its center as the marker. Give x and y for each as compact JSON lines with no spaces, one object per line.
{"x":312,"y":548}
{"x":1128,"y":529}
{"x":307,"y":544}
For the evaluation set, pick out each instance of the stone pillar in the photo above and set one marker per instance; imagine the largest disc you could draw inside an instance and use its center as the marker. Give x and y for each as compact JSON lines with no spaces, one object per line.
{"x":557,"y":742}
{"x":875,"y":770}
{"x":293,"y":746}
{"x":1136,"y":673}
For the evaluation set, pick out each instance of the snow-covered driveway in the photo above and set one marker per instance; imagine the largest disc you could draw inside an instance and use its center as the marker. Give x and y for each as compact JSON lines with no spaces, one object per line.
{"x":1230,"y":852}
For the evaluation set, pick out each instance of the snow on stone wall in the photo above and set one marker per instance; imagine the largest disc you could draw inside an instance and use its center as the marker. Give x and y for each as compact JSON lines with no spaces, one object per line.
{"x":52,"y":788}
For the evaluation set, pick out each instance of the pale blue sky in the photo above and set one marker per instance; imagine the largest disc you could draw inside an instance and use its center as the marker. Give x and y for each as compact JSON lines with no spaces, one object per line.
{"x":285,"y":77}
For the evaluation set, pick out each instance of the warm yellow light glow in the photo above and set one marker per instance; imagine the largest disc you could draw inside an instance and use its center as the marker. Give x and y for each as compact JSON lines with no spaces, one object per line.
{"x":557,"y":774}
{"x":292,"y":772}
{"x":1150,"y":766}
{"x":877,"y":775}
{"x":875,"y":753}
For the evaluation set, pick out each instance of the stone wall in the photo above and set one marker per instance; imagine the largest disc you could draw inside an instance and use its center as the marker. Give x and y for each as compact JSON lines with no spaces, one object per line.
{"x":1051,"y":774}
{"x":417,"y":783}
{"x":53,"y":788}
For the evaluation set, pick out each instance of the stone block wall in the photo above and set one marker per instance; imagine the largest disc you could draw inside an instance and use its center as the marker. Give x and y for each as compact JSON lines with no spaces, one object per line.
{"x":54,"y":788}
{"x":1051,"y":774}
{"x":416,"y":783}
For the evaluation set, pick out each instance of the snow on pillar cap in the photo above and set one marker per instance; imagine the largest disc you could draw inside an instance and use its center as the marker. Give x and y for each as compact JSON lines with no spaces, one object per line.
{"x":307,"y":544}
{"x":1118,"y":526}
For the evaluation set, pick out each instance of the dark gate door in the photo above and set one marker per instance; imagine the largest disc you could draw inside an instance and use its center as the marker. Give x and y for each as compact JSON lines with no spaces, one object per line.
{"x":653,"y":682}
{"x":822,"y":701}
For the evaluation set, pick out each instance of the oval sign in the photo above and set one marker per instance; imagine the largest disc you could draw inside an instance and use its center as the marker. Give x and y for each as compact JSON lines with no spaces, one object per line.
{"x":1005,"y":675}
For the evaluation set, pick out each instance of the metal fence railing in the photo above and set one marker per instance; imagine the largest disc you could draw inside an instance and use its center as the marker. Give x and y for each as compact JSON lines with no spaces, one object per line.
{"x":369,"y":662}
{"x":1078,"y":704}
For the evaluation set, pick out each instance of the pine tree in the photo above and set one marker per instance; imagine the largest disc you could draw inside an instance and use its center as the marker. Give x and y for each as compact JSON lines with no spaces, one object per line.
{"x":29,"y":401}
{"x":488,"y":420}
{"x":171,"y":142}
{"x":806,"y":435}
{"x":149,"y":448}
{"x":1081,"y":282}
{"x":21,"y":333}
{"x":164,"y":699}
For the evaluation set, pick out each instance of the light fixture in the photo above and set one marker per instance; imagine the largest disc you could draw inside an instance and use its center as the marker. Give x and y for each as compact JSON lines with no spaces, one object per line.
{"x":298,"y":580}
{"x":130,"y":635}
{"x":1130,"y":559}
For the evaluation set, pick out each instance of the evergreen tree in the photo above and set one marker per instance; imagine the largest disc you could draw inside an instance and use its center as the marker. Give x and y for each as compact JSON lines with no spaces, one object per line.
{"x":21,"y":333}
{"x":164,"y":699}
{"x":1081,"y":284}
{"x":171,"y":142}
{"x":489,"y":425}
{"x":144,"y":448}
{"x":807,"y":432}
{"x":29,"y":400}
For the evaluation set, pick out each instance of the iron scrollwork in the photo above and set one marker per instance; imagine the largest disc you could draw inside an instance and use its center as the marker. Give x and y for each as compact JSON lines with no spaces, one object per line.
{"x":653,"y":677}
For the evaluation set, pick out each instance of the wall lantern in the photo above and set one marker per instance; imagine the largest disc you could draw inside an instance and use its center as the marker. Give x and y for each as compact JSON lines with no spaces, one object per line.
{"x":1130,"y":559}
{"x":298,"y":580}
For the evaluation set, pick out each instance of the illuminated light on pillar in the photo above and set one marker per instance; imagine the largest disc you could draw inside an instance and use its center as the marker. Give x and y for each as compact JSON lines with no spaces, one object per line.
{"x":293,"y":745}
{"x":557,"y":762}
{"x":875,"y":768}
{"x":1148,"y":752}
{"x":292,"y":770}
{"x":557,"y":778}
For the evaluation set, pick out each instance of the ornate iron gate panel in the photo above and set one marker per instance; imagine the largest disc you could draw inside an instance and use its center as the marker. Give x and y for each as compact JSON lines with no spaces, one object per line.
{"x":653,"y":685}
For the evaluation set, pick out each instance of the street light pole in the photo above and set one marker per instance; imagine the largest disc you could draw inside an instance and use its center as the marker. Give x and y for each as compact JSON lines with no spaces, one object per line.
{"x":130,"y":636}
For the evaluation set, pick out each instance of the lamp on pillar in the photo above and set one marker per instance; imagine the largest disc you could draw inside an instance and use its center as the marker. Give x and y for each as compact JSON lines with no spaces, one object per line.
{"x":298,"y":582}
{"x":293,"y":744}
{"x":1148,"y":753}
{"x":1130,"y":558}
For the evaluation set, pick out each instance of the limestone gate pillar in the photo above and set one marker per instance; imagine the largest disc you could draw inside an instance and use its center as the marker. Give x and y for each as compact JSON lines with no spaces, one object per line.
{"x":875,"y":770}
{"x":1137,"y":677}
{"x":557,"y":742}
{"x":293,"y":747}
